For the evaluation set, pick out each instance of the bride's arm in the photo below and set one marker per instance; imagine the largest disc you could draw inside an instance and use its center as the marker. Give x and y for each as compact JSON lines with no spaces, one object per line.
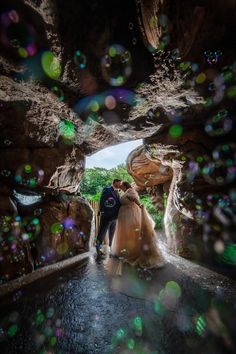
{"x":133,"y":197}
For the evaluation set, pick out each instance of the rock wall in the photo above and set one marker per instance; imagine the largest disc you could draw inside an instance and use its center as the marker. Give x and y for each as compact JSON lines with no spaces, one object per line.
{"x":198,"y":215}
{"x":78,"y":76}
{"x":195,"y":141}
{"x":47,"y":128}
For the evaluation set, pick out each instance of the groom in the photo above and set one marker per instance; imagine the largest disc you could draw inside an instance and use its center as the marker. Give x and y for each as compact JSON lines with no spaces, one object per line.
{"x":109,"y":206}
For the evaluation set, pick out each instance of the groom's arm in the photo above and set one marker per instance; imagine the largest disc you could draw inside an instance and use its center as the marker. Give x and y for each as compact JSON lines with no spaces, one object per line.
{"x":102,"y":199}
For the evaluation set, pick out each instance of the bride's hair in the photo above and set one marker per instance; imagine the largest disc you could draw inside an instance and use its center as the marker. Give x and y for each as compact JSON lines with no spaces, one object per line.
{"x":127,"y":185}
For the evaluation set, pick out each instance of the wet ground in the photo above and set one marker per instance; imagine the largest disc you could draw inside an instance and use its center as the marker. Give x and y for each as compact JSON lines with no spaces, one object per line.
{"x":181,"y":308}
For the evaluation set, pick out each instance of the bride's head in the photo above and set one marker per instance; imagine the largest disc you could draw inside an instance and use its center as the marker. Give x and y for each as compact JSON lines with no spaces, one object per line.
{"x":125,"y":185}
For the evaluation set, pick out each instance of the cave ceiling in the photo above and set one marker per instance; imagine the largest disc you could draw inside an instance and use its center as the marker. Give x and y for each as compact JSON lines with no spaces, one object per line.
{"x":92,"y":74}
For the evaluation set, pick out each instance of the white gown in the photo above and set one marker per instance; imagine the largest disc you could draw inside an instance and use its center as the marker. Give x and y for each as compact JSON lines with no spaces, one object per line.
{"x":135,"y":240}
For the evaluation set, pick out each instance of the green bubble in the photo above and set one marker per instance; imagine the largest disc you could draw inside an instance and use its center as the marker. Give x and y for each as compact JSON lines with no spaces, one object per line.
{"x":158,"y":308}
{"x":12,"y":330}
{"x":35,"y":221}
{"x":201,"y":325}
{"x":114,"y":341}
{"x":94,"y":106}
{"x":51,"y":65}
{"x":112,"y":51}
{"x":18,"y":178}
{"x":67,"y":129}
{"x":176,"y":131}
{"x":153,"y":22}
{"x":174,"y":287}
{"x":120,"y":80}
{"x":39,"y":318}
{"x":185,"y":65}
{"x":229,"y":254}
{"x":56,"y":228}
{"x":201,"y":78}
{"x":120,"y":334}
{"x":161,"y":46}
{"x":28,"y":169}
{"x":131,"y":344}
{"x":22,"y":52}
{"x":199,"y":159}
{"x":208,"y":101}
{"x":138,"y":323}
{"x":231,"y":92}
{"x":53,"y":341}
{"x":228,"y":76}
{"x":48,"y":331}
{"x":50,"y":312}
{"x":161,"y":294}
{"x":30,"y":234}
{"x":32,"y":182}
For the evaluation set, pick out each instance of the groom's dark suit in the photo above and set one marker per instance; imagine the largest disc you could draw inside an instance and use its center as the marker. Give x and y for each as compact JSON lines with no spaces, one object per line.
{"x":109,"y":207}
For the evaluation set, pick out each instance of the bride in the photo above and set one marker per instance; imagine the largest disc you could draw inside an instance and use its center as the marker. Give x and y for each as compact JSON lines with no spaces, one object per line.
{"x":135,"y":240}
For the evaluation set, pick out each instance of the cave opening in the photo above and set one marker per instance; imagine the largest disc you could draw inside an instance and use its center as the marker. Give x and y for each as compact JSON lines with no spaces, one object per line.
{"x":111,"y":162}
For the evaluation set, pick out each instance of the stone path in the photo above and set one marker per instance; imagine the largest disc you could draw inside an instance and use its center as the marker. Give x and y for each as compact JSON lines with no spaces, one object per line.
{"x":182,"y":308}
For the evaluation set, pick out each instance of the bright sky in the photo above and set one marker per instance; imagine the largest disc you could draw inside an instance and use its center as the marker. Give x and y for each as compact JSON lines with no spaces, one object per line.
{"x":112,"y":156}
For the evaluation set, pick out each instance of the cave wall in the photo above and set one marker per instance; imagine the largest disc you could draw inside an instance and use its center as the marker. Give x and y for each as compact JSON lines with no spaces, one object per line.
{"x":196,"y":142}
{"x":61,"y":99}
{"x":198,"y":212}
{"x":44,"y":133}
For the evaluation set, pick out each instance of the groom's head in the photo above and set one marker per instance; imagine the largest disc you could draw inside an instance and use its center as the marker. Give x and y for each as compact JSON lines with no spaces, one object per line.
{"x":116,"y":183}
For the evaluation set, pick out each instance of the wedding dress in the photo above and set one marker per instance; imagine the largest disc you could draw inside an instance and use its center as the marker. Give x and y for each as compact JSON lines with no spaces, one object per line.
{"x":135,"y":240}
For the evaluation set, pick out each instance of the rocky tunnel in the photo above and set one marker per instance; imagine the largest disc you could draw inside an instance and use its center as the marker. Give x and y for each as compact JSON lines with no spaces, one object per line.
{"x":79,"y":76}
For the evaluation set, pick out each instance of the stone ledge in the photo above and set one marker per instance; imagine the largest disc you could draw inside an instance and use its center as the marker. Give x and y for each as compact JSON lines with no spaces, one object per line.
{"x":41,"y":273}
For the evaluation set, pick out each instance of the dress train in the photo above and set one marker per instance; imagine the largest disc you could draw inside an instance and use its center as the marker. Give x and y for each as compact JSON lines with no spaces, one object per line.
{"x":149,"y":255}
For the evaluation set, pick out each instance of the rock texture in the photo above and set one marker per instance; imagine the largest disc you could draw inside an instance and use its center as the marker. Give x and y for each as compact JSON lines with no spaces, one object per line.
{"x":201,"y":204}
{"x":146,"y":172}
{"x":61,"y":99}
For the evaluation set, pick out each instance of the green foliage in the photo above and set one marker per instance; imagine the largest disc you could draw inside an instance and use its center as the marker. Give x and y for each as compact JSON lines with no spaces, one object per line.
{"x":95,"y":179}
{"x":95,"y":198}
{"x":165,"y":199}
{"x":155,"y":214}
